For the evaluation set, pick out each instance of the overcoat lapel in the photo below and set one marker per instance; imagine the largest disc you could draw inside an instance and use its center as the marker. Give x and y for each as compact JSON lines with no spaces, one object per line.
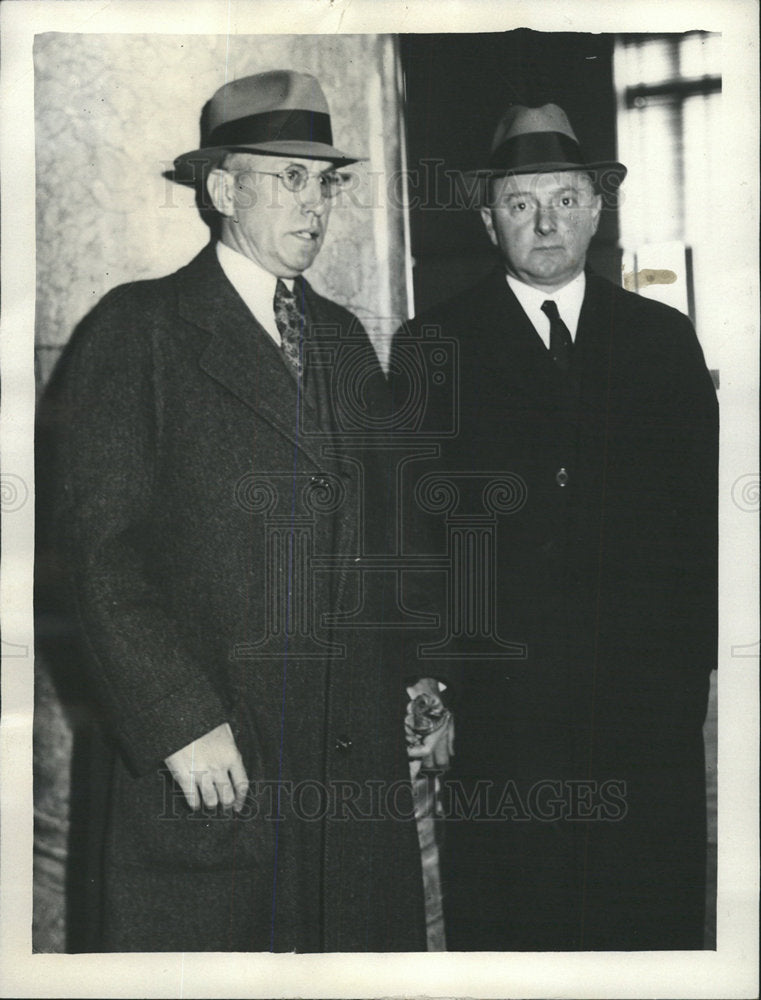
{"x":346,"y":521}
{"x":240,"y":354}
{"x":592,"y":354}
{"x":509,"y":346}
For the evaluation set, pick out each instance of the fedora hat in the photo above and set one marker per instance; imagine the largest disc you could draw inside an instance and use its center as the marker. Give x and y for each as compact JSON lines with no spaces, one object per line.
{"x":279,"y":113}
{"x":540,"y":141}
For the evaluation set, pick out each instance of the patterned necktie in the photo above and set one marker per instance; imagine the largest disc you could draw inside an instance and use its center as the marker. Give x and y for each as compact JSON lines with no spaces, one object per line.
{"x":290,"y":325}
{"x":560,"y":337}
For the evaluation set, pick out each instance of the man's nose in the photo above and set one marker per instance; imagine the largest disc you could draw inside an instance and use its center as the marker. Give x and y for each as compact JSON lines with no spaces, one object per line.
{"x":312,"y":197}
{"x":545,"y":219}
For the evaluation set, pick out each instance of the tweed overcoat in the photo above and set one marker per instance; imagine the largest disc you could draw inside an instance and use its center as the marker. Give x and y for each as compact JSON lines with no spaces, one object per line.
{"x":210,"y":519}
{"x":593,"y":832}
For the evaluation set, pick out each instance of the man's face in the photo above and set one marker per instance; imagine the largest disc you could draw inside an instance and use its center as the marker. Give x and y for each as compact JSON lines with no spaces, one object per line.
{"x":280,"y":230}
{"x":542,"y":224}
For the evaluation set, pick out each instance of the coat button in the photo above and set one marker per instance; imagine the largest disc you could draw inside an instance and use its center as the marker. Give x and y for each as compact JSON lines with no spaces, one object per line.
{"x":561,"y":477}
{"x":342,"y":744}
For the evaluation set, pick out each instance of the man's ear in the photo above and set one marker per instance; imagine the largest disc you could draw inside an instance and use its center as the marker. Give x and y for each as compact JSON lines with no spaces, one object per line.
{"x":596,"y":210}
{"x":486,"y":215}
{"x":220,"y":185}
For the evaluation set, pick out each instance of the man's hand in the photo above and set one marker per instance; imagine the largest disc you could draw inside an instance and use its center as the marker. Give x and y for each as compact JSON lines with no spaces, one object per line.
{"x":211,"y":769}
{"x":436,"y":749}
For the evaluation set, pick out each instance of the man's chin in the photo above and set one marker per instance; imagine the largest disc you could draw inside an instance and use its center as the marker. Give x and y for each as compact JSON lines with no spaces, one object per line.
{"x":300,"y":260}
{"x":548,"y":272}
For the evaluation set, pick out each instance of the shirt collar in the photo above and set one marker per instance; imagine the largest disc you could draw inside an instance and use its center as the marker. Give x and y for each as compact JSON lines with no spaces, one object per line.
{"x":254,"y":285}
{"x":568,"y":299}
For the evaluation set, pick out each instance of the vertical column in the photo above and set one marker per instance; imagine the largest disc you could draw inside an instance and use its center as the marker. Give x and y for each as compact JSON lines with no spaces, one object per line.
{"x":289,"y":505}
{"x":471,"y":503}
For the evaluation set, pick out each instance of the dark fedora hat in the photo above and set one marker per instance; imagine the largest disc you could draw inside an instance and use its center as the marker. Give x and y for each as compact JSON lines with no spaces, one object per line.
{"x":540,"y":141}
{"x":279,"y":113}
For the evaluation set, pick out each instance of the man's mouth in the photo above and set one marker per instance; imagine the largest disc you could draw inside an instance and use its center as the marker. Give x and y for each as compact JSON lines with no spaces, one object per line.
{"x":308,"y":235}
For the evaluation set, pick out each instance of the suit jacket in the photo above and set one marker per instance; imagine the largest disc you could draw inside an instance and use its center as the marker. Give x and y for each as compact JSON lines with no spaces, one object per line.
{"x":200,"y":499}
{"x":607,"y":574}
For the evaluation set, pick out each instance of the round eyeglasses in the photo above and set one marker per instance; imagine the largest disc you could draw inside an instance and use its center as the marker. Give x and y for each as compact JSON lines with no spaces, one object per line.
{"x":296,"y":177}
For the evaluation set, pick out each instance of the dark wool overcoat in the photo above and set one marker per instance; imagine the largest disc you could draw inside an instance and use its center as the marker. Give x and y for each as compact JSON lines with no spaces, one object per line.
{"x":587,"y":830}
{"x":211,"y":517}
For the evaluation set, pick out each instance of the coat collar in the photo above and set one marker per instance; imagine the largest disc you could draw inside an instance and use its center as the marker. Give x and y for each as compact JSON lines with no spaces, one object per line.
{"x":595,"y":340}
{"x":241,"y":356}
{"x":508,"y":342}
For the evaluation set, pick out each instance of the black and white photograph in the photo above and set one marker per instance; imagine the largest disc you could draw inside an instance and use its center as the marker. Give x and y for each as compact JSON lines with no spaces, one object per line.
{"x":380,"y":499}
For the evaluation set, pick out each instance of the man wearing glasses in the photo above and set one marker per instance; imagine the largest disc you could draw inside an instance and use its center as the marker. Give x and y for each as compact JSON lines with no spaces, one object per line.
{"x":252,"y":788}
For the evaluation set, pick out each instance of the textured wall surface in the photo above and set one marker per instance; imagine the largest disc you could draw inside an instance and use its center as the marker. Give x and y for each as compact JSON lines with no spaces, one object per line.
{"x":112,"y":112}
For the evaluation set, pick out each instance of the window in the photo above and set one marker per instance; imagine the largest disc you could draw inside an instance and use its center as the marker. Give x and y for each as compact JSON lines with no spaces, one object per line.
{"x":669,"y":104}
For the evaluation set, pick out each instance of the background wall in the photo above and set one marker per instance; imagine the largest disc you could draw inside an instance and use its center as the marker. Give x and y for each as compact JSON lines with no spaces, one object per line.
{"x":112,"y":112}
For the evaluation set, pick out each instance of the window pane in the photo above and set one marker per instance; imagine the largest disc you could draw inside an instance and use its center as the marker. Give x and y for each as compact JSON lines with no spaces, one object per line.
{"x":650,"y":61}
{"x":669,"y":104}
{"x":651,"y":206}
{"x":699,"y":55}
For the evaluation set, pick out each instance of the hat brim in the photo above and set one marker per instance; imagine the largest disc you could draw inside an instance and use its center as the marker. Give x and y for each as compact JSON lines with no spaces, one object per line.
{"x":609,"y":168}
{"x":190,"y":167}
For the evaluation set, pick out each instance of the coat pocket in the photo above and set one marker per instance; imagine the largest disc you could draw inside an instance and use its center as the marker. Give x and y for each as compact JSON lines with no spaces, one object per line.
{"x":152,"y":825}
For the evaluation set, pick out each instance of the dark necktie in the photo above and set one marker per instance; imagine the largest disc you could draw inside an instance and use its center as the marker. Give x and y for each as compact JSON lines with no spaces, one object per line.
{"x":290,"y":325}
{"x":560,"y":337}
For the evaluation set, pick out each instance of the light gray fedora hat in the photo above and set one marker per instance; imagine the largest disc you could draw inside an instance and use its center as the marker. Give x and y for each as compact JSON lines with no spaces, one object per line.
{"x":279,"y":113}
{"x":540,"y":140}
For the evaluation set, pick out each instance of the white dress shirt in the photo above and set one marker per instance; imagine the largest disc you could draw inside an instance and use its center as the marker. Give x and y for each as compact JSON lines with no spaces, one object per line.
{"x":254,"y":285}
{"x":568,"y":300}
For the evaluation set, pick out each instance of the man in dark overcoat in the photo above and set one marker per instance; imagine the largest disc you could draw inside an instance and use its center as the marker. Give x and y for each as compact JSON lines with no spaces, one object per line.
{"x":252,"y":786}
{"x":577,"y":800}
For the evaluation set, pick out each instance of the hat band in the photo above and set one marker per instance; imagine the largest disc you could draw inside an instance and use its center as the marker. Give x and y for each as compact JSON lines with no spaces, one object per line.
{"x":535,"y":148}
{"x":273,"y":126}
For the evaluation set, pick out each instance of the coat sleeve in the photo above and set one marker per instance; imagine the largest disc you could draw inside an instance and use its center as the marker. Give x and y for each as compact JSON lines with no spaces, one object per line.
{"x":157,"y":697}
{"x":694,"y":490}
